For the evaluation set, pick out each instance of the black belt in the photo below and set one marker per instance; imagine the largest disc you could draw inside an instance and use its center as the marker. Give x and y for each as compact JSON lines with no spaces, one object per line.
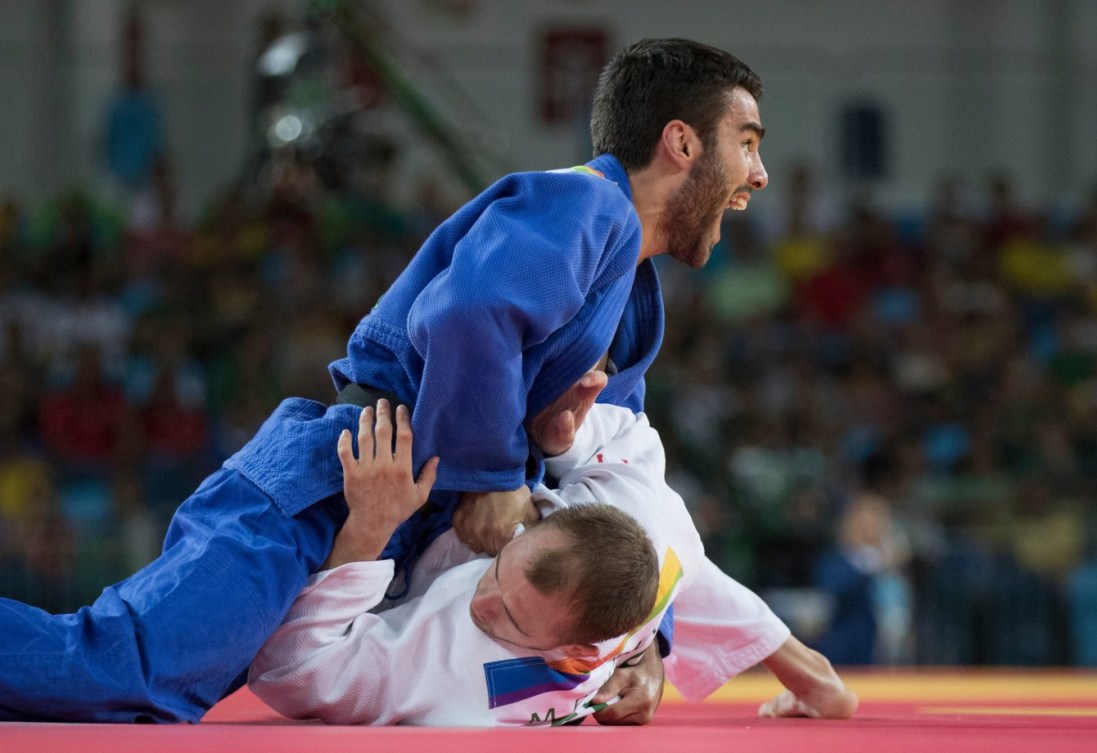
{"x":363,"y":395}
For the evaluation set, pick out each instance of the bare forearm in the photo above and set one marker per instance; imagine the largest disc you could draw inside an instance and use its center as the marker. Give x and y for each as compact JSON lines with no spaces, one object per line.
{"x":357,"y":541}
{"x":799,"y":668}
{"x":809,"y":676}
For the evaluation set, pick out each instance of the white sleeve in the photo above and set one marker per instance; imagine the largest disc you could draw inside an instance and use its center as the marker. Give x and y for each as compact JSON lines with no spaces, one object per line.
{"x":327,"y":659}
{"x":721,"y":628}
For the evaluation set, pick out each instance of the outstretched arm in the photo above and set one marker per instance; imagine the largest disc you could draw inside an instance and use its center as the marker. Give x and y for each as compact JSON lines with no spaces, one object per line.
{"x":813,"y":688}
{"x":723,"y":628}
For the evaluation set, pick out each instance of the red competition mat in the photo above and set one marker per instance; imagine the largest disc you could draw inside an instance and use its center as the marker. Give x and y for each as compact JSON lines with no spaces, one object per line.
{"x":941,"y":711}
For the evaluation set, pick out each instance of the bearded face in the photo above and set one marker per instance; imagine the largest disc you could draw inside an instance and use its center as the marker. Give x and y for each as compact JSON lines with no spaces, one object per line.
{"x":725,"y":173}
{"x":691,"y":221}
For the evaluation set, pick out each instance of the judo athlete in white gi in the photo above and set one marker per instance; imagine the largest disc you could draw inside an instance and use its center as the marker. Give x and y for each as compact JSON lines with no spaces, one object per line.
{"x":475,"y":644}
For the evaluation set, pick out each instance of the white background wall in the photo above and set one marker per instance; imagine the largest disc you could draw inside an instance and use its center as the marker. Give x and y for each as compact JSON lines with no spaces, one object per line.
{"x":969,"y":86}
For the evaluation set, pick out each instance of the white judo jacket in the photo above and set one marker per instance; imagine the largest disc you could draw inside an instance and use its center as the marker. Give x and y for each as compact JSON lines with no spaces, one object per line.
{"x":425,"y":662}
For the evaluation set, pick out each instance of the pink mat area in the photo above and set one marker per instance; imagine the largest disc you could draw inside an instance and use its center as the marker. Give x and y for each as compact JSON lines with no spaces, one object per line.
{"x":942,"y":713}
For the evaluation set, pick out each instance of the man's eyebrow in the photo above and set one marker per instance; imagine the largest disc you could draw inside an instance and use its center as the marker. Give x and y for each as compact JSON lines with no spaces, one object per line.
{"x":513,"y":621}
{"x":759,"y":131}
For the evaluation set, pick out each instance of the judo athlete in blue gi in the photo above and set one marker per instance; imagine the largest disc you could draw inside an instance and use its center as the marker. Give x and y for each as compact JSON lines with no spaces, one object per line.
{"x":503,"y":309}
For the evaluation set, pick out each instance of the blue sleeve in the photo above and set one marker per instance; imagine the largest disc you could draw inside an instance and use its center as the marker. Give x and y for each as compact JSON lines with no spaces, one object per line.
{"x":520,"y":273}
{"x":665,"y":636}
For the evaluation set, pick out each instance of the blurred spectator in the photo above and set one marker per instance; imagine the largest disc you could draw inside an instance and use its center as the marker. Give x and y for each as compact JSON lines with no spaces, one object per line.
{"x":244,"y":389}
{"x":25,"y":478}
{"x":805,"y":211}
{"x":139,"y":533}
{"x":863,"y":566}
{"x":952,"y":224}
{"x":229,"y":233}
{"x":1005,"y":220}
{"x":82,"y":421}
{"x":174,"y":435}
{"x":1048,"y":533}
{"x":1085,"y":226}
{"x":1082,"y":610}
{"x":173,"y":429}
{"x":168,"y":389}
{"x":750,"y":285}
{"x":315,"y":336}
{"x":133,"y":133}
{"x":91,"y":316}
{"x":156,"y":243}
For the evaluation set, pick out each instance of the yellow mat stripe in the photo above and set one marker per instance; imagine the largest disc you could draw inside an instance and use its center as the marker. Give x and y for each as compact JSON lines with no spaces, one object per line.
{"x":1010,"y":710}
{"x":937,"y":686}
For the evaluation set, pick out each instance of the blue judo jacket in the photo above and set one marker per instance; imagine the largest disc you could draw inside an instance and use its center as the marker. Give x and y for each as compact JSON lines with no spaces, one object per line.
{"x":507,"y":304}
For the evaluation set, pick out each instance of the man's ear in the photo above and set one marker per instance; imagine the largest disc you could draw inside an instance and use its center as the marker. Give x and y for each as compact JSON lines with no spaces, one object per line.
{"x":580,"y":651}
{"x":680,"y":144}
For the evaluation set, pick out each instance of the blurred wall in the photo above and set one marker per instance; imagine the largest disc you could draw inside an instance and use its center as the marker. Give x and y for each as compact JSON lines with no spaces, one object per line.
{"x":60,"y":66}
{"x":969,"y":86}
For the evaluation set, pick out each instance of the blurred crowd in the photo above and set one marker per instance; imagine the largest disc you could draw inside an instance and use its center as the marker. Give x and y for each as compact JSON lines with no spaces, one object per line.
{"x":139,"y":352}
{"x":887,"y":425}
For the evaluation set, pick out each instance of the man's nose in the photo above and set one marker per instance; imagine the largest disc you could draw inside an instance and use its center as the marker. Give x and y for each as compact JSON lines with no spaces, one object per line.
{"x":758,"y":179}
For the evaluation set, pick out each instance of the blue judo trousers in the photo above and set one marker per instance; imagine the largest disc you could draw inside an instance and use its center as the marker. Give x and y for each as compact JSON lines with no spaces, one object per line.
{"x":167,"y":643}
{"x":143,"y":650}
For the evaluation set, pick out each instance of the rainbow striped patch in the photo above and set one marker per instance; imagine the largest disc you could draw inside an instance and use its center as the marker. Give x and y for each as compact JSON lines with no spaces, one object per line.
{"x":669,"y":575}
{"x":588,"y":170}
{"x":580,"y":169}
{"x":514,"y":680}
